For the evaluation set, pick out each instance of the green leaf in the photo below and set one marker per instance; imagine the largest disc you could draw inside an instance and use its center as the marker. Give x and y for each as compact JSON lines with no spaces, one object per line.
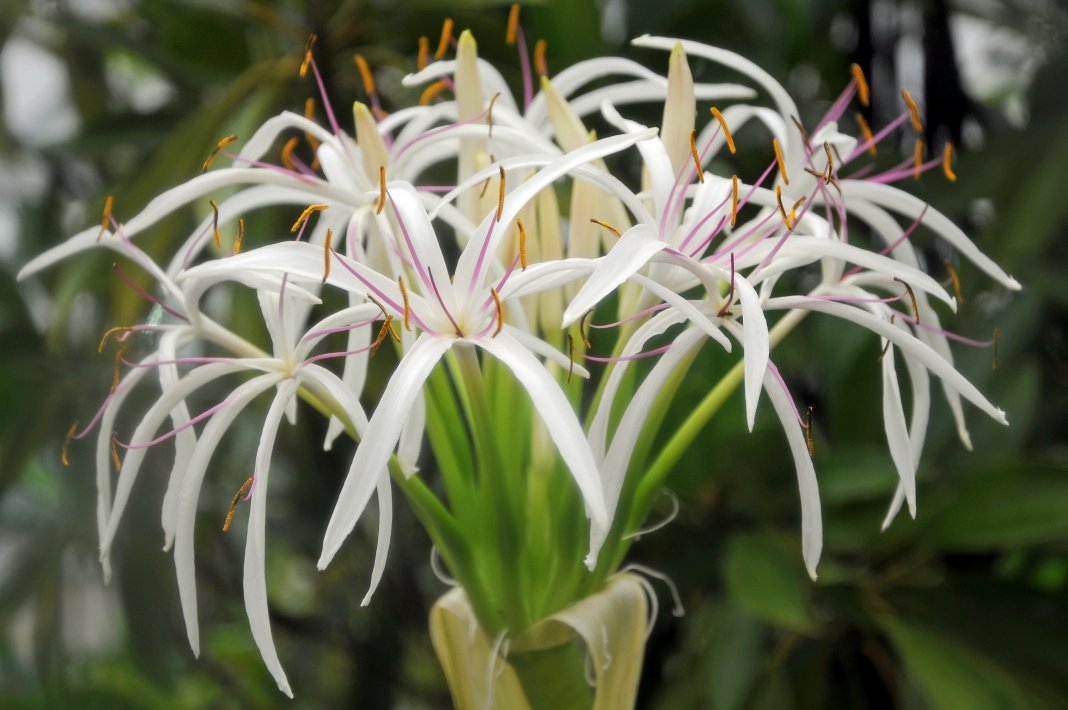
{"x":766,"y":579}
{"x":951,"y":675}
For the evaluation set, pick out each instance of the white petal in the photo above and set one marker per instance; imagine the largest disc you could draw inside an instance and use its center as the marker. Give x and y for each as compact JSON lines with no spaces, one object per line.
{"x":486,"y":244}
{"x":145,"y":431}
{"x":627,"y":257}
{"x":383,"y":430}
{"x":921,"y":351}
{"x":897,"y":435}
{"x":679,"y":110}
{"x":187,"y":498}
{"x":807,"y":485}
{"x":255,"y":578}
{"x":912,"y":207}
{"x":385,"y":530}
{"x":555,"y":410}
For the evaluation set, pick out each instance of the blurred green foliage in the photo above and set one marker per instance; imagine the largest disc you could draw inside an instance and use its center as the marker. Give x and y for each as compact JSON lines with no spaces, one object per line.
{"x":965,"y":607}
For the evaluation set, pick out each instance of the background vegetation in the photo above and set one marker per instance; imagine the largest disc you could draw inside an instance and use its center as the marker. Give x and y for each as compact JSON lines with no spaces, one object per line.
{"x":967,"y":606}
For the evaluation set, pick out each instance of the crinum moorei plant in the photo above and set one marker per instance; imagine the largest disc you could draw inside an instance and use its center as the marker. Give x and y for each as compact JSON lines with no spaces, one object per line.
{"x":541,"y":466}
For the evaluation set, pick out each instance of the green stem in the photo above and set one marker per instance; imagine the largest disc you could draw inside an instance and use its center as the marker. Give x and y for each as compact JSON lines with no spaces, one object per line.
{"x":657,"y":473}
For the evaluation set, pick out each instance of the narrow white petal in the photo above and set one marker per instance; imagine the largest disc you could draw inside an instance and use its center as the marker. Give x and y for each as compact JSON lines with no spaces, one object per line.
{"x":145,"y":431}
{"x":372,"y":455}
{"x":807,"y":485}
{"x":385,"y":530}
{"x":910,"y":345}
{"x":255,"y":577}
{"x":679,"y":109}
{"x":912,"y":207}
{"x":897,"y":435}
{"x":187,"y":499}
{"x":555,"y":410}
{"x":633,"y":251}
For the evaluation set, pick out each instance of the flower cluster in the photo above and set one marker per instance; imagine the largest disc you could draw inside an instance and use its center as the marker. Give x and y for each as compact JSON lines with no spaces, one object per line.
{"x":485,"y":286}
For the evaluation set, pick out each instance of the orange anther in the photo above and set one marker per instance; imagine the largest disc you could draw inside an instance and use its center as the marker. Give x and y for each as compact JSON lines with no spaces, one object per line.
{"x":326,"y":255}
{"x":734,"y":199}
{"x":696,"y":157}
{"x":540,"y":65}
{"x":500,"y":193}
{"x":782,"y":210}
{"x":865,"y":130}
{"x":237,"y":499}
{"x":914,"y":109}
{"x":240,"y":235}
{"x":431,"y":91}
{"x":917,"y":161}
{"x":862,"y":84}
{"x":308,"y":212}
{"x":500,"y":311}
{"x":407,"y":304}
{"x":366,"y":76}
{"x":307,"y":56}
{"x":513,"y":24}
{"x":607,"y":226}
{"x":424,"y":53}
{"x":215,"y":222}
{"x":381,"y":205}
{"x":216,"y":150}
{"x":287,"y":153}
{"x":726,"y":129}
{"x":64,"y":453}
{"x":947,"y":163}
{"x":107,"y":216}
{"x":522,"y":244}
{"x":779,"y":160}
{"x":446,"y":37}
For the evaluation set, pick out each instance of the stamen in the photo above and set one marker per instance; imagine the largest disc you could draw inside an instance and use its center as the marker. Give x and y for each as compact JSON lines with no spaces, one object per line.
{"x":607,"y":226}
{"x":862,"y":84}
{"x":215,"y":152}
{"x":500,"y":194}
{"x":381,"y":189}
{"x":240,"y":235}
{"x":115,"y":452}
{"x":107,"y":216}
{"x":287,"y":153}
{"x":307,"y":56}
{"x":513,"y":24}
{"x":326,"y":255}
{"x":830,"y":159}
{"x":313,"y":142}
{"x":570,"y":357}
{"x":582,"y":329}
{"x":64,"y":453}
{"x":734,"y":199}
{"x":540,"y":65}
{"x":955,"y":278}
{"x":500,"y":311}
{"x":489,"y":114}
{"x":887,"y":346}
{"x":865,"y":130}
{"x":779,"y":160}
{"x":913,"y":109}
{"x":237,"y":498}
{"x":215,"y":222}
{"x":912,"y":297}
{"x":782,"y":210}
{"x":726,"y":129}
{"x":808,"y":435}
{"x":800,"y":129}
{"x":696,"y":157}
{"x":407,"y":304}
{"x":112,"y":331}
{"x":730,"y":294}
{"x":308,"y":212}
{"x":123,"y":347}
{"x":366,"y":76}
{"x":424,"y":53}
{"x":947,"y":163}
{"x":387,"y":328}
{"x":431,"y":91}
{"x":918,"y":160}
{"x":793,"y":208}
{"x":522,"y":244}
{"x":446,"y":38}
{"x":997,"y":339}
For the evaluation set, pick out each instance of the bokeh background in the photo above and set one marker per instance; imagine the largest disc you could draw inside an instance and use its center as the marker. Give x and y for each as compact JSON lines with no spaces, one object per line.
{"x":965,"y":607}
